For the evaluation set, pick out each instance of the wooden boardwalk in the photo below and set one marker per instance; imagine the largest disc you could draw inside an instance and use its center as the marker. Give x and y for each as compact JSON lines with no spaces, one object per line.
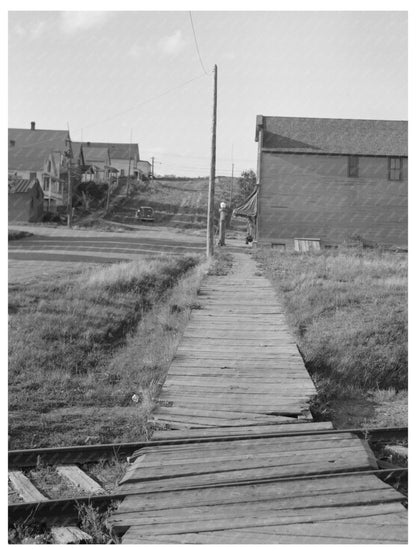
{"x":241,"y":460}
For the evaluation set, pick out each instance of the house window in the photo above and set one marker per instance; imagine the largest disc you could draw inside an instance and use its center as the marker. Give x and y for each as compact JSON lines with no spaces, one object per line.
{"x":352,"y":166}
{"x":32,"y":175}
{"x":395,"y":169}
{"x":121,"y":173}
{"x":46,"y":183}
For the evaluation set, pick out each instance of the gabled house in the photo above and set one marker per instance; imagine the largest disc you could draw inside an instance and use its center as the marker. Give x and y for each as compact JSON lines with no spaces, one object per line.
{"x":30,"y":148}
{"x":331,"y":180}
{"x":125,"y":157}
{"x":25,"y":200}
{"x":42,"y":154}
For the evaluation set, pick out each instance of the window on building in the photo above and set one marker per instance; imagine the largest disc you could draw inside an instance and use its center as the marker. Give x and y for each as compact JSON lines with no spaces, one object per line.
{"x":352,"y":166}
{"x":395,"y":169}
{"x":46,"y":183}
{"x":122,"y":173}
{"x":32,"y":175}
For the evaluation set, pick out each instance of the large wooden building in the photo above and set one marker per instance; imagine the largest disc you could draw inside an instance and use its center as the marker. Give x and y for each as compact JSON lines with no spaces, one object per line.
{"x":331,"y":180}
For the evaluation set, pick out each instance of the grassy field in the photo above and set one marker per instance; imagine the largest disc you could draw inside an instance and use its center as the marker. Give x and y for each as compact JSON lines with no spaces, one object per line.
{"x":181,"y":204}
{"x":348,"y":309}
{"x":81,"y":347}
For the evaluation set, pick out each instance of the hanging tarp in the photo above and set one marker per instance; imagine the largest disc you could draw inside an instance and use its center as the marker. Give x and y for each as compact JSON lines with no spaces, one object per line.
{"x":249,"y":208}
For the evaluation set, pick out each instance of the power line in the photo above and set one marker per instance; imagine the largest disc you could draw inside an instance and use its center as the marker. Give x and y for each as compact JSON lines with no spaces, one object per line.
{"x":145,"y":101}
{"x":227,"y":159}
{"x":196,"y":44}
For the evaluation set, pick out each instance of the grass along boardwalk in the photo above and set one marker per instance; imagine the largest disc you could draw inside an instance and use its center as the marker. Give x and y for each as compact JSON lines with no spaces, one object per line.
{"x":237,"y":376}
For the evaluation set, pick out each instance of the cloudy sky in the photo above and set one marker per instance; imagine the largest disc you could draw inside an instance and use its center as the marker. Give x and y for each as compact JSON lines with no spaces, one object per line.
{"x":112,"y":74}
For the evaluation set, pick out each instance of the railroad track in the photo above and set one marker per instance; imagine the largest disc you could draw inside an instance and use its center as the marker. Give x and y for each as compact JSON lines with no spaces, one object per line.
{"x":62,"y":514}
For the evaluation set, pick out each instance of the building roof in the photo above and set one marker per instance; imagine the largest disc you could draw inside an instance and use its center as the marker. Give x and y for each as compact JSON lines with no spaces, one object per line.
{"x":28,"y":149}
{"x":333,"y":136}
{"x":23,"y":185}
{"x":118,"y":151}
{"x":94,"y":154}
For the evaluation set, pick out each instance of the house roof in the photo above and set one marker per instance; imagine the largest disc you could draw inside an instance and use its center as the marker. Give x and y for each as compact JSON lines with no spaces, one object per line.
{"x":23,"y":185}
{"x":334,"y":136}
{"x":118,"y":151}
{"x":28,"y":149}
{"x":95,"y":154}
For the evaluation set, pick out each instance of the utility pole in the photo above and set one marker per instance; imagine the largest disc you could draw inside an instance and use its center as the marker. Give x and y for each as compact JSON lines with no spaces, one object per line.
{"x":69,"y":208}
{"x":69,"y":203}
{"x":232,"y":174}
{"x":153,"y":167}
{"x":232,"y":184}
{"x":211,"y":187}
{"x":128,"y":177}
{"x":108,"y":192}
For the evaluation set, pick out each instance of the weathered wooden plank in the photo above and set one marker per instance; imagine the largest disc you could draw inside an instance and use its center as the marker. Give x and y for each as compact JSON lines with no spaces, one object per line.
{"x":339,"y":530}
{"x":239,"y":407}
{"x":243,"y":475}
{"x":189,"y":422}
{"x":279,"y":442}
{"x":289,"y":426}
{"x":279,"y":391}
{"x":176,"y":411}
{"x":239,"y":403}
{"x":231,"y":537}
{"x":242,"y":383}
{"x":179,"y":408}
{"x":243,"y":456}
{"x":230,"y":397}
{"x":279,"y":517}
{"x":251,"y":493}
{"x":259,"y":462}
{"x":79,"y":478}
{"x":236,"y":371}
{"x":221,"y":513}
{"x":24,"y":487}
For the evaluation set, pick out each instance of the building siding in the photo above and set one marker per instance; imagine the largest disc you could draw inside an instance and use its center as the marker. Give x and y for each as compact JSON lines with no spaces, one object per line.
{"x":25,"y":207}
{"x":311,"y":195}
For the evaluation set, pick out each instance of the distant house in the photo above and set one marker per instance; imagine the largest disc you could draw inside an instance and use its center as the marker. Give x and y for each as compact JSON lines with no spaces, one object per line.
{"x":124,"y":157}
{"x":41,"y":154}
{"x":144,"y":168}
{"x":331,"y":180}
{"x":25,"y":200}
{"x":96,"y":161}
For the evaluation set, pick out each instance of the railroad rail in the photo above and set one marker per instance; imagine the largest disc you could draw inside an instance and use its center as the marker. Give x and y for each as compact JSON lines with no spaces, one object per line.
{"x":81,"y":454}
{"x":65,"y":511}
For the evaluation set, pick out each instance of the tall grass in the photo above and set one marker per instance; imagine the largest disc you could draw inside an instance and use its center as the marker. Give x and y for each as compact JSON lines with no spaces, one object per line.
{"x":62,"y":337}
{"x":348,"y":308}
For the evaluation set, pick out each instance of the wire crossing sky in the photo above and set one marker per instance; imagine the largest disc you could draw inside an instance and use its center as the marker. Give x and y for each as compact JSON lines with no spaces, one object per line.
{"x":109,"y":72}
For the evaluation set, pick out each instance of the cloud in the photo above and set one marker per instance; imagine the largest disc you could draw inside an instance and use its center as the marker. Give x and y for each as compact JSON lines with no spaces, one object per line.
{"x":72,"y":22}
{"x":32,"y":31}
{"x":135,"y":51}
{"x":172,"y":44}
